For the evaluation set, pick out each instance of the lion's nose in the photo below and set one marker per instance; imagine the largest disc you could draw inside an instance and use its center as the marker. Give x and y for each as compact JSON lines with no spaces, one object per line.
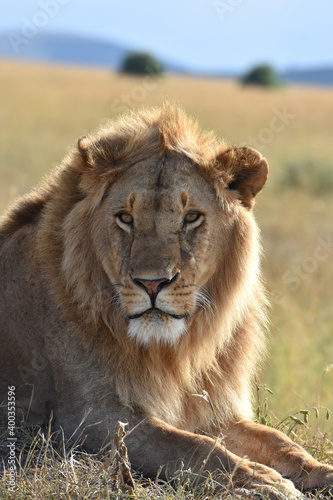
{"x":153,"y":287}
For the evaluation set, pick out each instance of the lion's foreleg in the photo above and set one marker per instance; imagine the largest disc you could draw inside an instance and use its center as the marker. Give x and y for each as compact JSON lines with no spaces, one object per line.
{"x":274,"y":449}
{"x":154,"y":444}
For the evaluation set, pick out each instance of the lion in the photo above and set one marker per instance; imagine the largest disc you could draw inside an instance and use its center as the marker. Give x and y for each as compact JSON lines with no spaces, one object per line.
{"x":131,"y":291}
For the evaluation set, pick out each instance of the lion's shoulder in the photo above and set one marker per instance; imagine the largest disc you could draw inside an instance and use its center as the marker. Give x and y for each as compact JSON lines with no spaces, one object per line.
{"x":26,"y":210}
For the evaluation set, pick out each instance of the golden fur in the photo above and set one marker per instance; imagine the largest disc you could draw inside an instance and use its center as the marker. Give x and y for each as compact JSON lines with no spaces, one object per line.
{"x":135,"y":269}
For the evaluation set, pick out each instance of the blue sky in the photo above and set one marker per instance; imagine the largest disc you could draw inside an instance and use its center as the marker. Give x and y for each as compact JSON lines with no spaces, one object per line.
{"x":217,"y":35}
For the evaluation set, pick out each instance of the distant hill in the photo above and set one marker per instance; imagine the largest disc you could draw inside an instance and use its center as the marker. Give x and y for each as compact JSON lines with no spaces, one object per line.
{"x":63,"y":49}
{"x":321,"y":76}
{"x":67,"y":49}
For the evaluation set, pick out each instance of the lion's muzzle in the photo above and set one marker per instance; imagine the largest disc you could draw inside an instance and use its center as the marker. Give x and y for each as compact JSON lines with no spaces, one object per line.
{"x":154,"y":286}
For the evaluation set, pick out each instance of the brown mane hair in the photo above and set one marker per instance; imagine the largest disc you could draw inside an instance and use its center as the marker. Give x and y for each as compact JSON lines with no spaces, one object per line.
{"x":154,"y":132}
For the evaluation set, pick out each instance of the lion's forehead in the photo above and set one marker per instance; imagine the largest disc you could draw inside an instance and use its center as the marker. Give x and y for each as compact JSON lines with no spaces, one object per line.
{"x":156,"y":186}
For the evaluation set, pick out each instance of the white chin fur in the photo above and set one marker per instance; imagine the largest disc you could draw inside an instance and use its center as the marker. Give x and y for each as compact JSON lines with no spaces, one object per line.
{"x":146,"y":331}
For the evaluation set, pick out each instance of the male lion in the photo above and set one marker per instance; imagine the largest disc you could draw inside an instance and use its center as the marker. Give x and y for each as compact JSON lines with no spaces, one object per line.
{"x":130,"y":285}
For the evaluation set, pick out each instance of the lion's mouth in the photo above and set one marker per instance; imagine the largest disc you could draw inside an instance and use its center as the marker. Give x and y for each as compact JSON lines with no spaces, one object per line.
{"x":155,"y":312}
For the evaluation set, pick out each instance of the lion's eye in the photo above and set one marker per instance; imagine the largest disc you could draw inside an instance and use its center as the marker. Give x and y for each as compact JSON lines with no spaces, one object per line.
{"x":125,"y":218}
{"x":192,"y":217}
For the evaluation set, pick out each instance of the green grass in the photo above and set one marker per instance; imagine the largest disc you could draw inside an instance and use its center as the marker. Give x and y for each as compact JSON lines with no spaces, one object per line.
{"x":44,"y":110}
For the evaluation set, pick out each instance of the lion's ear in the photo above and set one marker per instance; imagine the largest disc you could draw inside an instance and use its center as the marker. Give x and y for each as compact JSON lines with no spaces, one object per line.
{"x":89,"y":174}
{"x":247,"y":172}
{"x":95,"y":166}
{"x":83,"y":147}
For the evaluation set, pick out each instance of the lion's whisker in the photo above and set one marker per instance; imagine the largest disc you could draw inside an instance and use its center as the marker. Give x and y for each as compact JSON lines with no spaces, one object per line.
{"x":205,"y":300}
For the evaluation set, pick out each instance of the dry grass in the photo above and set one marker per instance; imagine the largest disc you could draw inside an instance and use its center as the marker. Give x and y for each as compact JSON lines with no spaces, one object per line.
{"x":50,"y":467}
{"x":44,"y":110}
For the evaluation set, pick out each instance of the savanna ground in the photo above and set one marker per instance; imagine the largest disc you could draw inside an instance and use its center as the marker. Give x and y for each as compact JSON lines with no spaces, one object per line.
{"x":44,"y":110}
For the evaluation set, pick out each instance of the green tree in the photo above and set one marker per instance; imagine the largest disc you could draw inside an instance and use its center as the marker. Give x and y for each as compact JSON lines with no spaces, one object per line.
{"x":264,"y":75}
{"x":141,"y":63}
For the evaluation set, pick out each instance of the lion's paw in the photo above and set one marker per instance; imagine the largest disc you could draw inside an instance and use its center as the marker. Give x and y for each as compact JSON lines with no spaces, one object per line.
{"x":266,"y":483}
{"x":283,"y":491}
{"x":320,"y":480}
{"x":269,"y":493}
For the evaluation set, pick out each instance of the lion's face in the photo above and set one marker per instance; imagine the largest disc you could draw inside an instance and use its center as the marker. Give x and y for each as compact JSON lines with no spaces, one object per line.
{"x":165,"y":240}
{"x":154,"y":228}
